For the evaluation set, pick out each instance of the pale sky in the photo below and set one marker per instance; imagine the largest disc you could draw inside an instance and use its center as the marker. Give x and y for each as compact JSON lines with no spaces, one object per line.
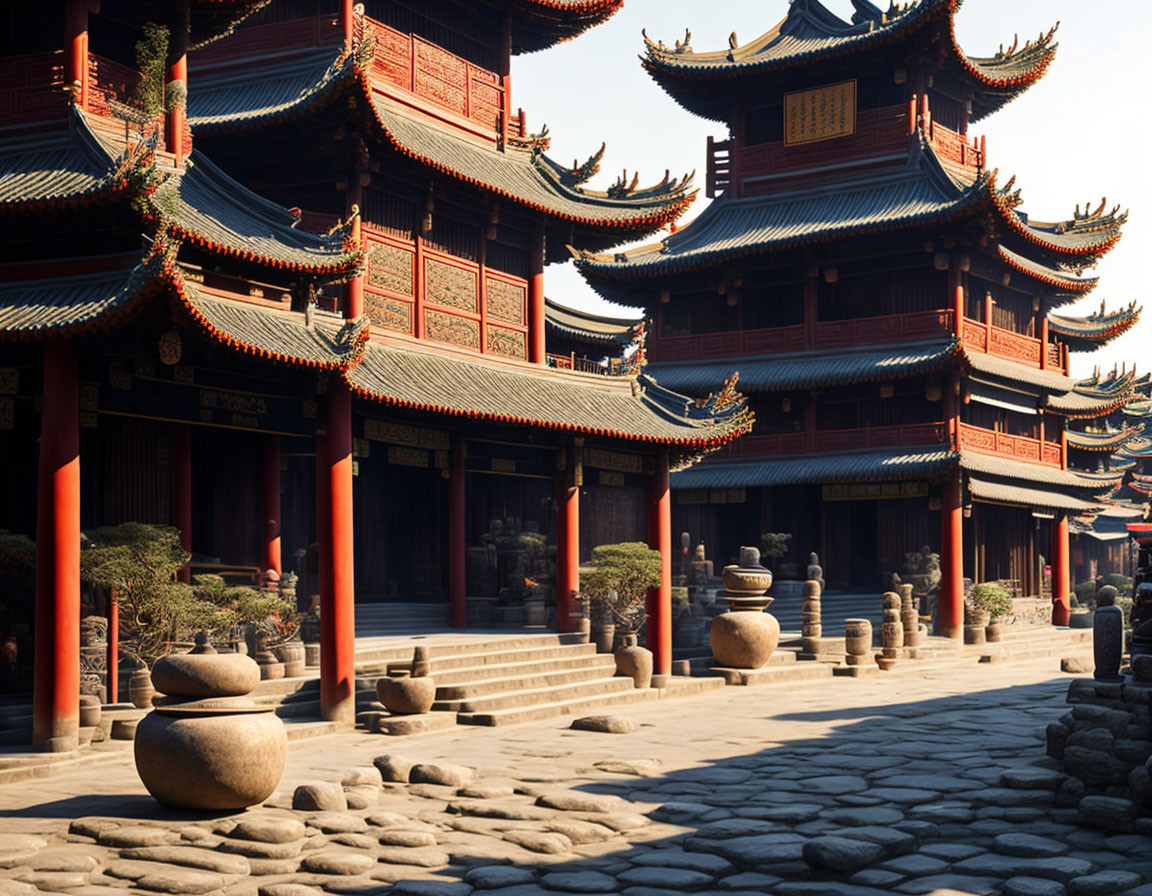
{"x":1078,"y":135}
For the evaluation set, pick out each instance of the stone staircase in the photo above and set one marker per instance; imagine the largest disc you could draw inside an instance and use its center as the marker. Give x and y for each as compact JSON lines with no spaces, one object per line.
{"x":486,"y":679}
{"x":386,"y":618}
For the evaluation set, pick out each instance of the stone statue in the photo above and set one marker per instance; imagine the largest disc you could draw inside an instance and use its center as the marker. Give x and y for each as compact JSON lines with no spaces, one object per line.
{"x":815,"y":570}
{"x":891,"y":629}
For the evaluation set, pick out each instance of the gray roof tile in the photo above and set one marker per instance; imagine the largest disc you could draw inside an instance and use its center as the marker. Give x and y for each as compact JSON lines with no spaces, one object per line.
{"x":809,"y":370}
{"x":882,"y":466}
{"x":1000,"y":492}
{"x":517,"y":392}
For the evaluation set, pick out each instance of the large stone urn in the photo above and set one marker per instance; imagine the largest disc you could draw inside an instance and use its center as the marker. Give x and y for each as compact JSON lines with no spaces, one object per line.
{"x":746,"y":636}
{"x":140,"y":689}
{"x":635,"y":662}
{"x":206,"y":745}
{"x":411,"y":692}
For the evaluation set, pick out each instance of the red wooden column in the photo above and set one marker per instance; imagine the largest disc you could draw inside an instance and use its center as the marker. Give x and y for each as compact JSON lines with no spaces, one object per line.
{"x":337,"y":601}
{"x":270,"y":504}
{"x":113,"y":658}
{"x":568,"y":541}
{"x":536,"y":349}
{"x":177,"y":74}
{"x":950,"y":609}
{"x":182,"y":489}
{"x":76,"y":44}
{"x":348,"y":21}
{"x":956,"y":285}
{"x":659,"y":604}
{"x":1061,"y":571}
{"x":56,"y":663}
{"x":457,"y":536}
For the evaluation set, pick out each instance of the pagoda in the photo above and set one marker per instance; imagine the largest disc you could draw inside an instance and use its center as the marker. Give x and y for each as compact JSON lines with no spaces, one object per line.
{"x":893,"y":312}
{"x":326,"y":317}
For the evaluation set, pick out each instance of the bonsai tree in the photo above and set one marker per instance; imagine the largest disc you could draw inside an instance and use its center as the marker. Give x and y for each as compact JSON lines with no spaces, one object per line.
{"x":990,"y":598}
{"x":774,"y":545}
{"x":238,"y":604}
{"x":139,"y":564}
{"x":617,"y":582}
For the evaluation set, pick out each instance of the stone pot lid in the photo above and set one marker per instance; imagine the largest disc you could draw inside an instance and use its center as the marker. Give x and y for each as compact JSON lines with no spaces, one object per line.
{"x":208,"y":706}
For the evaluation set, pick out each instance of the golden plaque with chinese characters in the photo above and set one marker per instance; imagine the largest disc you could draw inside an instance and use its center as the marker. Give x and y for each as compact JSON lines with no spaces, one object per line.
{"x":820,"y":114}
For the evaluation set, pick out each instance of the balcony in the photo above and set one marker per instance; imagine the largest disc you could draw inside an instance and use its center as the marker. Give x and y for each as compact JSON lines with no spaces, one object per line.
{"x":991,"y":340}
{"x":832,"y":440}
{"x":890,"y":328}
{"x":427,"y":77}
{"x":881,"y":138}
{"x":895,"y":328}
{"x":1019,"y":448}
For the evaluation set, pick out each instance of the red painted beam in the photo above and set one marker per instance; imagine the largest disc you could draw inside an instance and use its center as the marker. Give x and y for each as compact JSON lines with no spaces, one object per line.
{"x":950,"y":609}
{"x":1061,"y":572}
{"x":270,"y":557}
{"x":659,"y":603}
{"x":56,"y":662}
{"x":457,"y":538}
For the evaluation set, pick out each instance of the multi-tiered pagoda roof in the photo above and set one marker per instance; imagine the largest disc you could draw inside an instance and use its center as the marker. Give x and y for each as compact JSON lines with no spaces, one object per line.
{"x":810,"y":38}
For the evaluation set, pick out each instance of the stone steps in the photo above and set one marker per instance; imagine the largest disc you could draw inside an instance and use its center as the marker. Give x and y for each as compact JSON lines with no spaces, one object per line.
{"x":572,"y":706}
{"x":369,"y":654}
{"x":517,"y":697}
{"x":536,"y":675}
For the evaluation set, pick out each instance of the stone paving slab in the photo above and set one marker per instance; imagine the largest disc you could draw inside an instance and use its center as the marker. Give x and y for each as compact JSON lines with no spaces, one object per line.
{"x":916,"y":783}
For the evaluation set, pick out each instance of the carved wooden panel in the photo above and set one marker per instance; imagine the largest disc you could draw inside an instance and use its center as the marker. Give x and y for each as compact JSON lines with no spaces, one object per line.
{"x":505,"y":300}
{"x":392,"y":268}
{"x":777,"y":339}
{"x":389,"y":313}
{"x":1013,"y":345}
{"x":441,"y":76}
{"x":452,"y":329}
{"x":502,"y":341}
{"x":392,"y":60}
{"x":405,"y":434}
{"x":449,"y":285}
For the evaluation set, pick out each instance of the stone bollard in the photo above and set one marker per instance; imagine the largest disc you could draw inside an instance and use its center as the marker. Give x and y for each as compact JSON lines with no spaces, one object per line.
{"x":810,"y":625}
{"x":891,"y":630}
{"x":1108,"y":642}
{"x":909,"y":618}
{"x":858,"y":641}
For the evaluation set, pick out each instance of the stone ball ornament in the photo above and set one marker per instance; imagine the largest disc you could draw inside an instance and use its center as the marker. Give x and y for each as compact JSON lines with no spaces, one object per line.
{"x":206,"y":745}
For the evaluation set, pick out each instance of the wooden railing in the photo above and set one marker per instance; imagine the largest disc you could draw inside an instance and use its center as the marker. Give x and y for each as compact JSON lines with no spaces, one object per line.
{"x":610,"y":366}
{"x":828,"y":334}
{"x":986,"y":441}
{"x":865,"y":330}
{"x":719,"y":174}
{"x":841,"y":440}
{"x":955,"y":149}
{"x":408,"y":67}
{"x":32,"y":88}
{"x":992,"y":340}
{"x":727,"y":344}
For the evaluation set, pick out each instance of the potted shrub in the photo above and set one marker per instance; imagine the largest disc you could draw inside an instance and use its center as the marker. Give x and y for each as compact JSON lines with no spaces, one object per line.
{"x":616,"y":583}
{"x":989,"y":602}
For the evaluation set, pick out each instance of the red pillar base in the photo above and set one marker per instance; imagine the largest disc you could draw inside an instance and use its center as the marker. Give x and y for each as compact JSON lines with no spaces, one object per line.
{"x":270,"y":505}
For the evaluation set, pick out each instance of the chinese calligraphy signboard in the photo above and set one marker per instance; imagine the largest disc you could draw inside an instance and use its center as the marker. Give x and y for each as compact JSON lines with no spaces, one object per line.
{"x":820,"y":114}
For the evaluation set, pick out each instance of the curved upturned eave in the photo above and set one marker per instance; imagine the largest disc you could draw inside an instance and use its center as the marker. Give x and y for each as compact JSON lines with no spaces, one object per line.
{"x":540,"y":24}
{"x":1083,"y":253}
{"x":701,"y":82}
{"x":1078,"y":286}
{"x":964,"y":200}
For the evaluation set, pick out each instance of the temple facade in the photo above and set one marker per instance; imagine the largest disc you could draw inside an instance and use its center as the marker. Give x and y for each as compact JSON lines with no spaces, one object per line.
{"x":274,"y":276}
{"x":895,"y":315}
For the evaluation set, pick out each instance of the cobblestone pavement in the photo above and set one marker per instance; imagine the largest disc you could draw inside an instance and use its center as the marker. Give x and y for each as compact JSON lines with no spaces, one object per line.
{"x":927,"y":781}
